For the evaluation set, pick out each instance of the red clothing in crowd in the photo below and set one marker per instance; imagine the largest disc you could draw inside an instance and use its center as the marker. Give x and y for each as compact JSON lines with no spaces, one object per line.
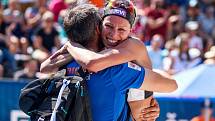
{"x":56,"y":6}
{"x":155,"y":14}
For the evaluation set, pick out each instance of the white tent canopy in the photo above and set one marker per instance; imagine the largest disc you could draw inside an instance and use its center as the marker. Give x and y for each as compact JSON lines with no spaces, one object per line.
{"x":195,"y":82}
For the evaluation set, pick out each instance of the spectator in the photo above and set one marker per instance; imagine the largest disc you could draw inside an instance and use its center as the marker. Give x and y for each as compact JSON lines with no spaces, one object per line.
{"x":35,"y":12}
{"x":17,"y":43}
{"x":195,"y":41}
{"x":141,"y":20}
{"x":14,"y":18}
{"x":179,"y":58}
{"x":6,"y":58}
{"x":157,"y":18}
{"x":206,"y":113}
{"x":155,"y":52}
{"x":46,"y":37}
{"x":175,"y":27}
{"x":13,"y":13}
{"x":29,"y":71}
{"x":170,"y":47}
{"x":56,"y":6}
{"x":207,"y":20}
{"x":192,"y":12}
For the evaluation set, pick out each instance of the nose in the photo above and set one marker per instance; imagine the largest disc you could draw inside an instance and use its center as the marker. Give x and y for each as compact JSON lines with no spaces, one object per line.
{"x":114,"y":34}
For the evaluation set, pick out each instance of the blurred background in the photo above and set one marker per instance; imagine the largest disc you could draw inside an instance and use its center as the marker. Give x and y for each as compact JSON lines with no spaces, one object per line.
{"x":180,"y":39}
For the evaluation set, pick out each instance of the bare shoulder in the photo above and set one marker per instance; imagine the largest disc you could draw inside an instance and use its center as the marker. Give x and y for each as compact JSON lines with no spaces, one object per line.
{"x":135,"y":43}
{"x":132,"y":44}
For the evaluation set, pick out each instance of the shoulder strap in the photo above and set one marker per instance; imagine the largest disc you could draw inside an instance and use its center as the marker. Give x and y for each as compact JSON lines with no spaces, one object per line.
{"x":82,"y":72}
{"x":85,"y":99}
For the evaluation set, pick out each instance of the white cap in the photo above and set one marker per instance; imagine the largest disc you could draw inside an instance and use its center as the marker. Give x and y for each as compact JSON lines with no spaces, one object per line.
{"x":192,"y":25}
{"x":194,"y":53}
{"x":212,"y":48}
{"x":48,"y":15}
{"x":210,"y":54}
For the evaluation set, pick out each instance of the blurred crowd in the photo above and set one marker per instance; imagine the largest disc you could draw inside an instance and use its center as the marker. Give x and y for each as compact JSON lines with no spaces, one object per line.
{"x":179,"y":34}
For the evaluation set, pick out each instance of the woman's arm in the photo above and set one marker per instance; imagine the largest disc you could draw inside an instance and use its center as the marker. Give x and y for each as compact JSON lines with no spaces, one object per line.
{"x":98,"y":61}
{"x":152,"y":81}
{"x":158,"y":82}
{"x":129,"y":50}
{"x":138,"y":48}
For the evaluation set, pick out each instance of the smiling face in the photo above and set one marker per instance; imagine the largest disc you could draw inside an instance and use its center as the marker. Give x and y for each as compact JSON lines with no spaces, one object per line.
{"x":115,"y":29}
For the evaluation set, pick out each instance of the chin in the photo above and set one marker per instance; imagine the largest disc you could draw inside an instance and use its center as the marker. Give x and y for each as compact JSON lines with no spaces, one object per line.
{"x":111,"y":46}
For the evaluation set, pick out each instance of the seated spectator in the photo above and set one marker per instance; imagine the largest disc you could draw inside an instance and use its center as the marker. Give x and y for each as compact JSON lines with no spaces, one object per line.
{"x":195,"y":41}
{"x":13,"y":13}
{"x":13,"y":16}
{"x":30,"y":69}
{"x":6,"y":57}
{"x":207,"y":20}
{"x":192,"y":11}
{"x":179,"y":58}
{"x":15,"y":28}
{"x":46,"y":37}
{"x":35,"y":12}
{"x":155,"y":52}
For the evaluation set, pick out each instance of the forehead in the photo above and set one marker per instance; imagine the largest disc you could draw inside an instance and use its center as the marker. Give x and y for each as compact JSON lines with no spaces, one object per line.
{"x":116,"y":20}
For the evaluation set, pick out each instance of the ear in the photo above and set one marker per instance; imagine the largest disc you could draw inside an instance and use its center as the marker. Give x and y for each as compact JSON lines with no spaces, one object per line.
{"x":98,"y":30}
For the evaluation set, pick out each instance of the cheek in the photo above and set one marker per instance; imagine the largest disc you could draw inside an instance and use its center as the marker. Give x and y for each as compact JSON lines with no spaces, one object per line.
{"x":124,"y":35}
{"x":105,"y":31}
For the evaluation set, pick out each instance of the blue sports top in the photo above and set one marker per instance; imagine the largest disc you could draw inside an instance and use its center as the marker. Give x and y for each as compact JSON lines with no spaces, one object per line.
{"x":108,"y":89}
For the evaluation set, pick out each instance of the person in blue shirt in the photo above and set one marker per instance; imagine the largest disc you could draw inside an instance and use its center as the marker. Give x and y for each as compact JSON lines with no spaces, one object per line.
{"x":107,"y":74}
